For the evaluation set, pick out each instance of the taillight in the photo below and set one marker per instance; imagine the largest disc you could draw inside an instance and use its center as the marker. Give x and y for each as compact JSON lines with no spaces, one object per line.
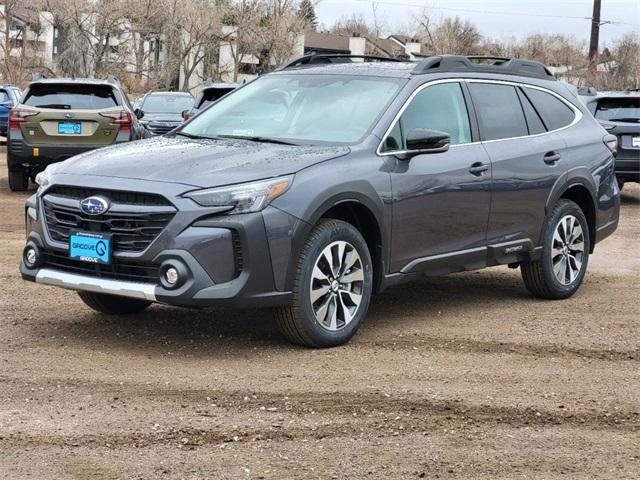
{"x":20,"y":115}
{"x":611,"y":142}
{"x":119,"y":117}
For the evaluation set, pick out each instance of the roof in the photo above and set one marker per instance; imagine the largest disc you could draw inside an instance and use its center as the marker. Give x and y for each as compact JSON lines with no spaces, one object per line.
{"x":92,"y":81}
{"x":326,"y":41}
{"x":214,"y":86}
{"x":163,"y":92}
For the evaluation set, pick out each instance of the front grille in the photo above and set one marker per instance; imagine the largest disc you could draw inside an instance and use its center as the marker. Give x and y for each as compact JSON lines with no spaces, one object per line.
{"x":117,"y":270}
{"x":134,"y":219}
{"x":116,"y":196}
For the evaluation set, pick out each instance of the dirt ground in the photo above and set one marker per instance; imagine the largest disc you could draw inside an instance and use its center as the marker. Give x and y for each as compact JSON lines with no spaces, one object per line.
{"x":465,"y":376}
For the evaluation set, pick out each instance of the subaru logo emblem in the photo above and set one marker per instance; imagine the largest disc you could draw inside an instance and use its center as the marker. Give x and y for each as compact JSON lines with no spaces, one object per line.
{"x":94,"y":205}
{"x":69,"y":115}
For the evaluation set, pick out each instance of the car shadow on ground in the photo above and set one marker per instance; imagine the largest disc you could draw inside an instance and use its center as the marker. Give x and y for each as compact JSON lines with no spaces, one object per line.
{"x":629,"y":197}
{"x":205,"y":332}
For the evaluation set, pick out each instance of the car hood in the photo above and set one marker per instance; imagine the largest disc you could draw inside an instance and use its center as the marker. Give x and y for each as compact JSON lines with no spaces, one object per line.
{"x":200,"y":163}
{"x":162,"y":117}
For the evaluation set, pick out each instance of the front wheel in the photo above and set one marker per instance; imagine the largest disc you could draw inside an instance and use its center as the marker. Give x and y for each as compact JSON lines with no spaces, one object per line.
{"x":559,"y":272}
{"x":113,"y":304}
{"x":332,"y":287}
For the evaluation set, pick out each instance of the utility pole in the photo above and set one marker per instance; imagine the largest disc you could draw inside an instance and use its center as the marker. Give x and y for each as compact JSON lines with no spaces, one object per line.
{"x":594,"y":41}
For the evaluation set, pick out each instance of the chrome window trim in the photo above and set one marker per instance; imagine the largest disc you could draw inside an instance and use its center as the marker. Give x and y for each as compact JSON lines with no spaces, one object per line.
{"x":577,"y":113}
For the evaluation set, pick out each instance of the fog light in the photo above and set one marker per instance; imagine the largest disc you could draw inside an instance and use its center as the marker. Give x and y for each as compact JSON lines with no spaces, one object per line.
{"x":171,"y":276}
{"x":30,"y":256}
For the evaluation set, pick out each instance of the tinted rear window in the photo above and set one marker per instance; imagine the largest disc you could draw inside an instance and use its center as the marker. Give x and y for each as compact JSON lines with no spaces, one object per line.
{"x":210,"y":96}
{"x":499,"y":111}
{"x":619,"y":109}
{"x":71,"y":97}
{"x":554,"y":112}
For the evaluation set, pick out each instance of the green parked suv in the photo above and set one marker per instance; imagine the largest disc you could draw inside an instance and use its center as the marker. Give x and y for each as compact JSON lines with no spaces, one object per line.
{"x":58,"y":118}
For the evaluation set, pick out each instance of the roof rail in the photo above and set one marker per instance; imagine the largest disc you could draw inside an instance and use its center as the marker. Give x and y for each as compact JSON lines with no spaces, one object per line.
{"x":483,"y":64}
{"x":316,"y":58}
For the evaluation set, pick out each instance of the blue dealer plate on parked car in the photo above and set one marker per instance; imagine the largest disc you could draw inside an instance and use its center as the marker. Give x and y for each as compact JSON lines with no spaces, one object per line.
{"x":69,"y":128}
{"x":90,"y":247}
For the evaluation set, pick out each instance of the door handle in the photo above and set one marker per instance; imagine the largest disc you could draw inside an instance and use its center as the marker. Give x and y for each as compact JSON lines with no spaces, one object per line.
{"x":551,"y":158}
{"x":478,"y":168}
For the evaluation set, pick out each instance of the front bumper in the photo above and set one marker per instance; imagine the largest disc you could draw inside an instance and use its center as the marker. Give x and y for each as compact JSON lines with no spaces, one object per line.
{"x":207,"y":243}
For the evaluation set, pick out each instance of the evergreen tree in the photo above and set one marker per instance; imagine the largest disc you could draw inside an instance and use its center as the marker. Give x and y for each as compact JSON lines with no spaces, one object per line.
{"x":308,"y":13}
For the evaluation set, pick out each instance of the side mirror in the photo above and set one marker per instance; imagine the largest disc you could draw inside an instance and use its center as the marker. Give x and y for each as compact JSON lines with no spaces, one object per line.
{"x":185,"y":115}
{"x":421,"y":140}
{"x":138,"y":113}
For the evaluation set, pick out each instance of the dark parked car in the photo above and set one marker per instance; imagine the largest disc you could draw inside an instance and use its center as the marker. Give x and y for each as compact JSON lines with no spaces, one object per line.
{"x":58,"y":118}
{"x":9,"y":97}
{"x":161,"y":112}
{"x":619,"y":114}
{"x":314,"y":187}
{"x":211,"y":92}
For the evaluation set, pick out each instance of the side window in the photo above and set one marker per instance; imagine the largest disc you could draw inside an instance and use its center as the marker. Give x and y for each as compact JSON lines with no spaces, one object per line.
{"x":533,"y":119}
{"x":439,"y":107}
{"x":499,"y":111}
{"x":4,"y":96}
{"x":554,"y":112}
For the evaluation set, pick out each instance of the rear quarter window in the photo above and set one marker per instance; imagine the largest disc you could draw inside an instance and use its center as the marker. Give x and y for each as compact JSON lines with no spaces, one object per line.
{"x":554,"y":112}
{"x":71,"y":97}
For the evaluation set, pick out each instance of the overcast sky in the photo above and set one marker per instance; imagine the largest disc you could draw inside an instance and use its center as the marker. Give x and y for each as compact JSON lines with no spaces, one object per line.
{"x":504,"y":18}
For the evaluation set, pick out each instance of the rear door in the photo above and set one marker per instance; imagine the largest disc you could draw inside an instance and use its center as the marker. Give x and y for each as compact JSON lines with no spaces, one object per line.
{"x":72,"y":114}
{"x":527,"y":156}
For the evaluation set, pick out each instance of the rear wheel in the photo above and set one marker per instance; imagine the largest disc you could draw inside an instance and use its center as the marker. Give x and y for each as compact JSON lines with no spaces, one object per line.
{"x":113,"y":304}
{"x":560,"y":270}
{"x":18,"y":179}
{"x":332,"y":287}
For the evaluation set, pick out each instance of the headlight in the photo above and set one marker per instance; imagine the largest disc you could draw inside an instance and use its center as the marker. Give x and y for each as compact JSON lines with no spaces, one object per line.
{"x":43,"y":179}
{"x":244,"y":198}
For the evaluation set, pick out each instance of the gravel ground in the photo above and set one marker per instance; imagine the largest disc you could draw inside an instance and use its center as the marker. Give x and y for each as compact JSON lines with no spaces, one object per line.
{"x":465,"y":376}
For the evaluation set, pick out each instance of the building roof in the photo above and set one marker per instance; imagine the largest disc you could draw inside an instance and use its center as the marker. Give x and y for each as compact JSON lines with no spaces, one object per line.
{"x":326,"y":41}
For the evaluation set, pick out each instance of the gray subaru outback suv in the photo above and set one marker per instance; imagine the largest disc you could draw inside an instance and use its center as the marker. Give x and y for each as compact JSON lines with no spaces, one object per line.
{"x":317,"y":186}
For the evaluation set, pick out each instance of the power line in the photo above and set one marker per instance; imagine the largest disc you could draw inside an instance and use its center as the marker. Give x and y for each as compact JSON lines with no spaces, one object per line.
{"x":489,"y":12}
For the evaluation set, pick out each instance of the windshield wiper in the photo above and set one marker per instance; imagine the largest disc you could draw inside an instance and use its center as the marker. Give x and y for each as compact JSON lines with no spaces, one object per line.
{"x":258,"y":139}
{"x":627,"y":119}
{"x":196,"y":137}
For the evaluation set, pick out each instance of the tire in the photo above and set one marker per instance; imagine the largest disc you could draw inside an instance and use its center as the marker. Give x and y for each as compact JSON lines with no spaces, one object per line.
{"x":331,"y":313}
{"x":113,"y":304}
{"x":18,"y":179}
{"x":559,"y":272}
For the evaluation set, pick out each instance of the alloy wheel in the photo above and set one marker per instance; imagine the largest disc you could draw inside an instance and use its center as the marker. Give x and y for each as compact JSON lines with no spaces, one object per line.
{"x":567,"y":250}
{"x":337,"y":283}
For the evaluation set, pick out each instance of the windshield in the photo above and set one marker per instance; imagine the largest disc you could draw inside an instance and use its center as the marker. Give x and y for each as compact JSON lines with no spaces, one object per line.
{"x":619,"y":109}
{"x":300,"y":108}
{"x":167,"y":104}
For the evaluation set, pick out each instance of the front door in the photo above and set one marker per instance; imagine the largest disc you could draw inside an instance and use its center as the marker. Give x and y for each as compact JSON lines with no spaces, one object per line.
{"x":440,"y":200}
